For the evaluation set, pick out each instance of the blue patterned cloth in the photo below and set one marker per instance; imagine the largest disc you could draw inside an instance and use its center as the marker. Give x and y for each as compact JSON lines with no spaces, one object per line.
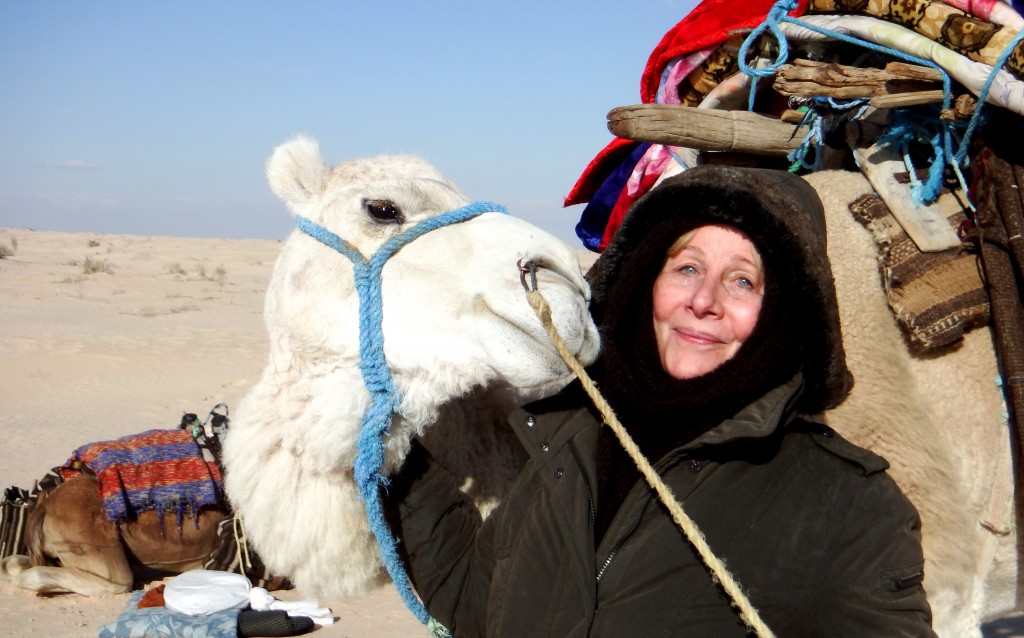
{"x":161,"y":622}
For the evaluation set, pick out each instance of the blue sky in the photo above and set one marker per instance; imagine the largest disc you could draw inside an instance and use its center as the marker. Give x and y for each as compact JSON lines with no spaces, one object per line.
{"x":156,"y":118}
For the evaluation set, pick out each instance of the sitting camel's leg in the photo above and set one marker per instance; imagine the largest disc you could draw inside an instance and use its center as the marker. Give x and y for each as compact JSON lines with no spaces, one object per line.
{"x":72,"y":545}
{"x":13,"y":565}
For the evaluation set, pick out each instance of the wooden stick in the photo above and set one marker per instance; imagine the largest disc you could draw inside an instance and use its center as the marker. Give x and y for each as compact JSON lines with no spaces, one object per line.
{"x":705,"y":129}
{"x":805,"y":78}
{"x":892,"y":71}
{"x":926,"y":225}
{"x":906,"y":99}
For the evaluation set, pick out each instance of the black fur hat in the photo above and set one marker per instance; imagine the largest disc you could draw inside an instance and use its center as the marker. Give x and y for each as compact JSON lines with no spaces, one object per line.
{"x":783,"y":216}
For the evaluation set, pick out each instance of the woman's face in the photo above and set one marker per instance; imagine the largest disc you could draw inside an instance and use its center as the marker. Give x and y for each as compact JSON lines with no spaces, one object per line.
{"x":706,"y":301}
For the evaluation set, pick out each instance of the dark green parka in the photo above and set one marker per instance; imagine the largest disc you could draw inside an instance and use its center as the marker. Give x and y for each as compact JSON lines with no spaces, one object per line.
{"x":814,"y":530}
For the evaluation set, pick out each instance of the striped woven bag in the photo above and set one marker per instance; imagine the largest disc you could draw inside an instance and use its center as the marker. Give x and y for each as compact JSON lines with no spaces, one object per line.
{"x":14,"y":509}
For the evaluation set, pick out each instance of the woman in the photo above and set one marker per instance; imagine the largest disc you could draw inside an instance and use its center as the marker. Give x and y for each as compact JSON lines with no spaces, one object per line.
{"x":718,"y":313}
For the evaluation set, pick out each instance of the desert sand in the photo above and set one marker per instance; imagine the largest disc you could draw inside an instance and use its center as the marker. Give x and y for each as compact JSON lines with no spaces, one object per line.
{"x":160,"y":327}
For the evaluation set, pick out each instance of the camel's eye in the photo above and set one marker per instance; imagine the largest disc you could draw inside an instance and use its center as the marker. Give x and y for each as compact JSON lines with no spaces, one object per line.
{"x":384,"y":211}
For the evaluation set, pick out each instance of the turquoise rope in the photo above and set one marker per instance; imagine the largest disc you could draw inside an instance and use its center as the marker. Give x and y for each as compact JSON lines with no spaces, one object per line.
{"x":942,"y":142}
{"x":983,"y":94}
{"x":385,"y":399}
{"x":780,"y":13}
{"x":812,"y":119}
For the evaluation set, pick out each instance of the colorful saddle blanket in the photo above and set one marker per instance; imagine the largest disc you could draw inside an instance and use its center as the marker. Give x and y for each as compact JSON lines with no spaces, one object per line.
{"x":157,"y":469}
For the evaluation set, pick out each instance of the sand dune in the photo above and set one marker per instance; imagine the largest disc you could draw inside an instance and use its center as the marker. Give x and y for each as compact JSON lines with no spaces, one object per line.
{"x":107,"y":335}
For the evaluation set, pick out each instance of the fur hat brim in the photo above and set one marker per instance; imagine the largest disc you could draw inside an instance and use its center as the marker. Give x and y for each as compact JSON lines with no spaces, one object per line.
{"x":783,"y":216}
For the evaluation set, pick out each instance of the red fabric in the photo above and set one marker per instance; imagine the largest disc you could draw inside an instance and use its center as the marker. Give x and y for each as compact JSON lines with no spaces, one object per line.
{"x":710,"y":22}
{"x":622,"y":206}
{"x":598,"y":170}
{"x":152,"y":598}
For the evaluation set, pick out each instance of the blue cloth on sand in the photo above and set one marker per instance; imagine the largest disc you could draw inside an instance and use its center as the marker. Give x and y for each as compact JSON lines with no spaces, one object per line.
{"x":160,"y":622}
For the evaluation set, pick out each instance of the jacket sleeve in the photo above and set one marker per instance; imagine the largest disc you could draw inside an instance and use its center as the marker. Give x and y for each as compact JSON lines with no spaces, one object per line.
{"x":876,"y":578}
{"x":447,"y":548}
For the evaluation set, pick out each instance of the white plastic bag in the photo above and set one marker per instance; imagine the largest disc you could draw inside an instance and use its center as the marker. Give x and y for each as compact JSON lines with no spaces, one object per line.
{"x":201,"y":592}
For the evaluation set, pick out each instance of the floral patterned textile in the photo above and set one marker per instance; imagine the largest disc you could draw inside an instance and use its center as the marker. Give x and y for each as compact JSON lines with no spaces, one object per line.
{"x":160,"y":622}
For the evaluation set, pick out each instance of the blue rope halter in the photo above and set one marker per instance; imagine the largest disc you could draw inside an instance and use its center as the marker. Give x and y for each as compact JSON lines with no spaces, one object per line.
{"x":385,"y":399}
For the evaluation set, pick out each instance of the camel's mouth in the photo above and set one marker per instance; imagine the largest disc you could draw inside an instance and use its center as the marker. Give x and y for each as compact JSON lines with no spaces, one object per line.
{"x":568,"y":307}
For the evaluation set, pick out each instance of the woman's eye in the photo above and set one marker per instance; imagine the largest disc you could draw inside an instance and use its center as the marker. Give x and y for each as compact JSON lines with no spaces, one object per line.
{"x":384,"y":210}
{"x":747,"y":284}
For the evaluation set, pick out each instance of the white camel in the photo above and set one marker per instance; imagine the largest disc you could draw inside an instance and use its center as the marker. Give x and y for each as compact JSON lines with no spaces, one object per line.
{"x":462,"y":344}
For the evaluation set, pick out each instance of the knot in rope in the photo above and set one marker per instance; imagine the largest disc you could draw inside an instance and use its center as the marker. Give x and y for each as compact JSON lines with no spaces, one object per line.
{"x":385,"y":400}
{"x":779,"y":12}
{"x":906,"y":128}
{"x":819,"y":120}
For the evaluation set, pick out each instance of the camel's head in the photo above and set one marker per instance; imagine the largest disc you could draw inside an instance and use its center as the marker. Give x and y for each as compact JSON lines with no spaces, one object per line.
{"x":455,"y":315}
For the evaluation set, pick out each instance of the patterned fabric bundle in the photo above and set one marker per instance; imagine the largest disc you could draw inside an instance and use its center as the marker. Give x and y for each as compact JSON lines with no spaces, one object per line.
{"x":136,"y":622}
{"x":696,"y":62}
{"x":936,"y":297}
{"x":974,"y":37}
{"x":157,"y":469}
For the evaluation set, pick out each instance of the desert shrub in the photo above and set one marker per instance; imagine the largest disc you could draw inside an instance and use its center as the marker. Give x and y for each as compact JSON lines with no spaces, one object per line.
{"x":219,"y":275}
{"x":90,"y":266}
{"x":8,"y":249}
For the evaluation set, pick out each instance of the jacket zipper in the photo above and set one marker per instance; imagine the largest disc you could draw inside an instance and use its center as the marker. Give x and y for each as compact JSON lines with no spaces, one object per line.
{"x":624,"y":537}
{"x":636,"y":523}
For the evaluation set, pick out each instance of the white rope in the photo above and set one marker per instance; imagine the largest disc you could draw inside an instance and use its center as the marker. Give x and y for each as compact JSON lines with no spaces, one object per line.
{"x":719,"y":572}
{"x":241,"y":545}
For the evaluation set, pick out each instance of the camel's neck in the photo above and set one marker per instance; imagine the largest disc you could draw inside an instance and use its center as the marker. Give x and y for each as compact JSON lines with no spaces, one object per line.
{"x":312,"y":410}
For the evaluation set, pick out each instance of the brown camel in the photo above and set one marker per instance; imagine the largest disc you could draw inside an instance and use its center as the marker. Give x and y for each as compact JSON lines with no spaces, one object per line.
{"x":73,"y":547}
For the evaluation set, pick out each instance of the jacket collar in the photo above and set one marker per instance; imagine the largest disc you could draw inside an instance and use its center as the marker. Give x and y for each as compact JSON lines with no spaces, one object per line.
{"x":759,"y":419}
{"x":554,"y":421}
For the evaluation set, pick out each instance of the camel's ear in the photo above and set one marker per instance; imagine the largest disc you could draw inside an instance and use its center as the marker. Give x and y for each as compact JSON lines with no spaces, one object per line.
{"x":296,"y":171}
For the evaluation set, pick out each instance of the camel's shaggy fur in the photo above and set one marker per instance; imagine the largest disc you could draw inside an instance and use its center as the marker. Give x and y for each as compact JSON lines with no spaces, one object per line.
{"x":940,"y":422}
{"x":456,"y":324}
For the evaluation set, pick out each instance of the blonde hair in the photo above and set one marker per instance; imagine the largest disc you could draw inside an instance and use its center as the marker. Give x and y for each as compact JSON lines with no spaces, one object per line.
{"x":684,"y":240}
